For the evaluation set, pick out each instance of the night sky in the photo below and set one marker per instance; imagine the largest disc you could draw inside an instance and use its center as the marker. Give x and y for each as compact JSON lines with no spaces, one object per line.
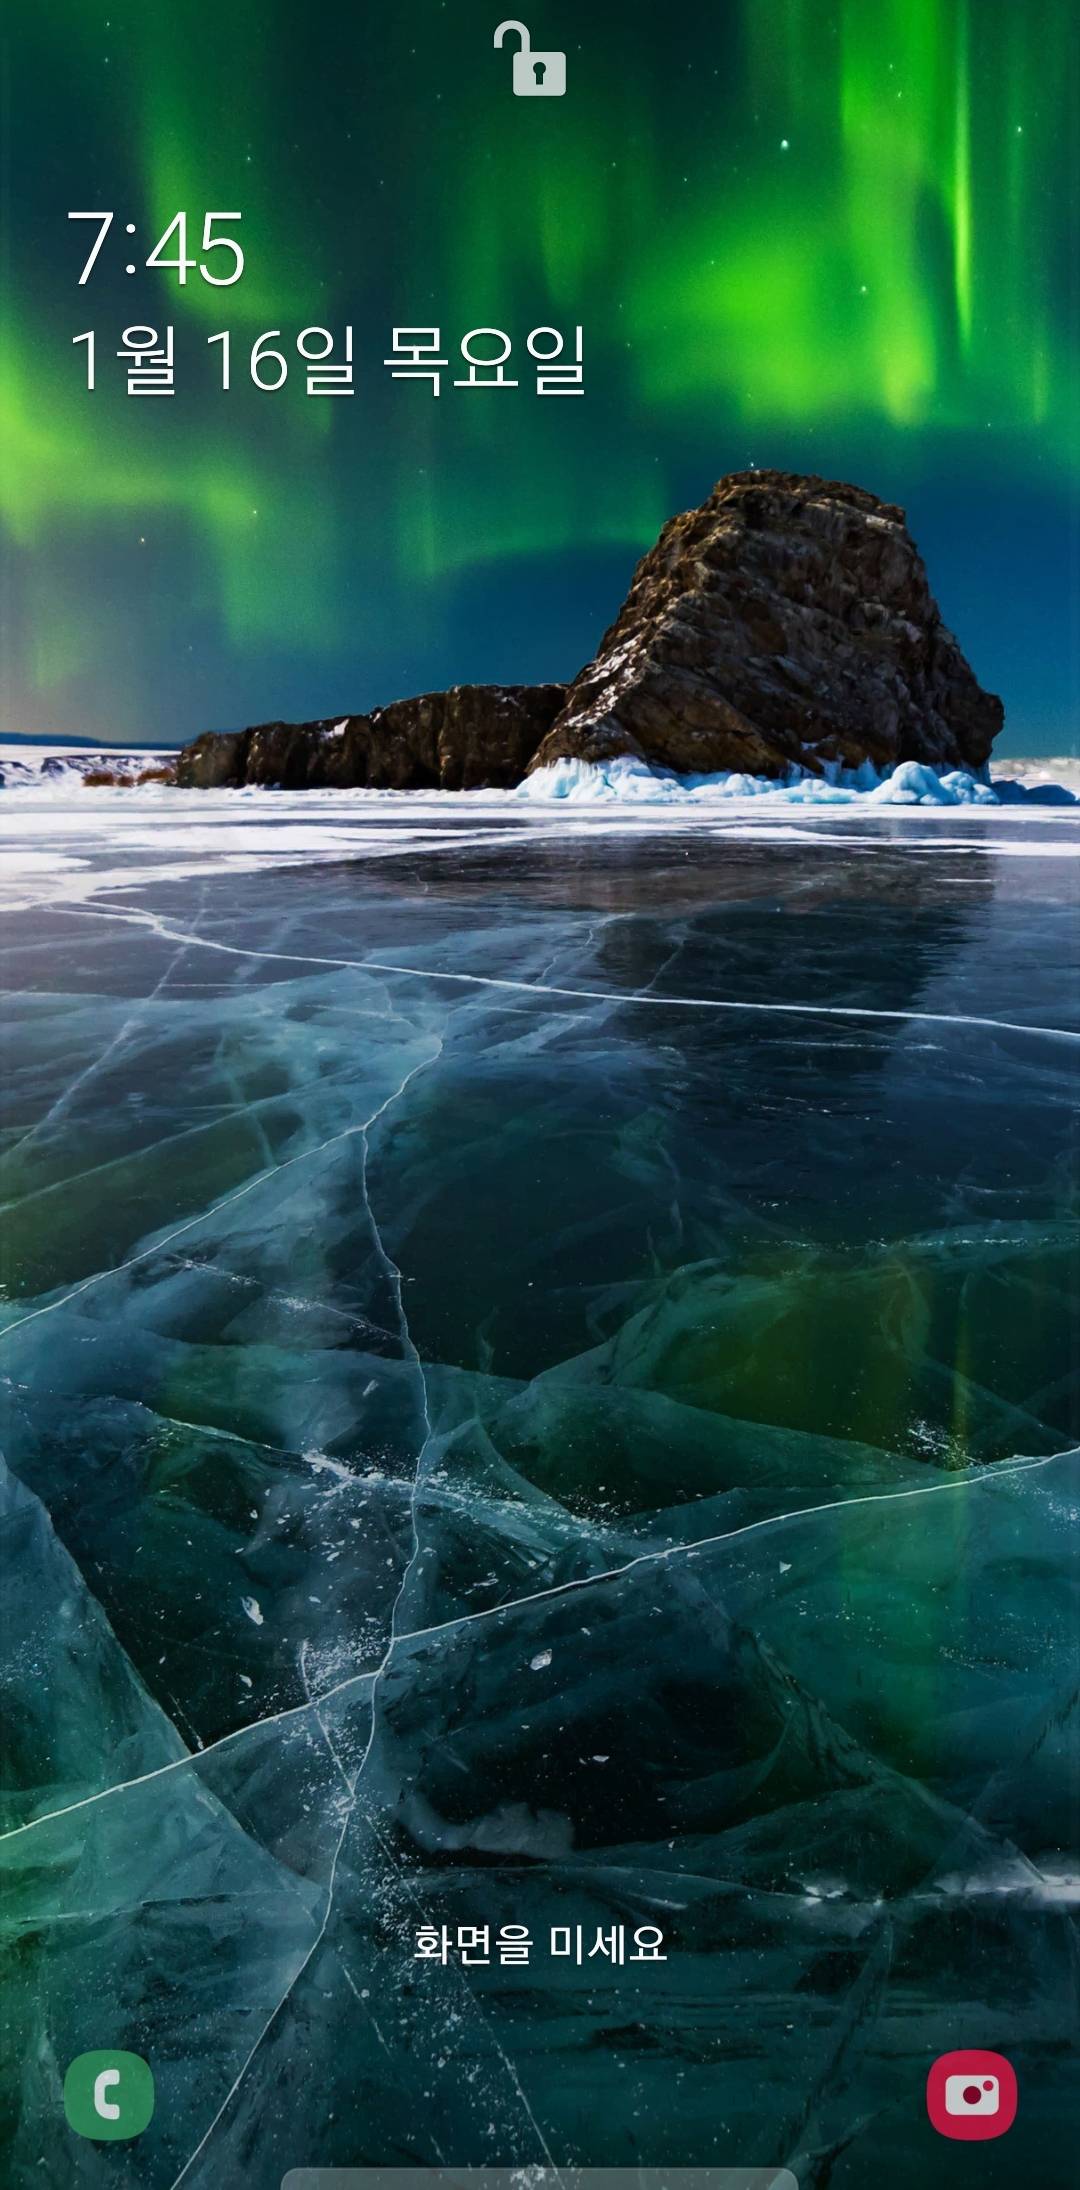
{"x":833,"y":235}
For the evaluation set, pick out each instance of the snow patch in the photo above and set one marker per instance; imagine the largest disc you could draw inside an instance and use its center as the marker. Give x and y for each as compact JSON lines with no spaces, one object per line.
{"x":41,"y":767}
{"x":626,"y":780}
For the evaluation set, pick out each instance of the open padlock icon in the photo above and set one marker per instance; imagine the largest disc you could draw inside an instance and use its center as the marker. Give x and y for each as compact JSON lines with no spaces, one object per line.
{"x":536,"y":75}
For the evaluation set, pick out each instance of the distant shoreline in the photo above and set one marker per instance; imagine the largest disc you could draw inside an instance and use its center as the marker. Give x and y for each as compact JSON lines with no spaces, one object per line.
{"x":64,"y":768}
{"x":26,"y":743}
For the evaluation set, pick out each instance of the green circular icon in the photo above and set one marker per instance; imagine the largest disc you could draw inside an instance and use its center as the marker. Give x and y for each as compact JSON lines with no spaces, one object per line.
{"x":109,"y":2095}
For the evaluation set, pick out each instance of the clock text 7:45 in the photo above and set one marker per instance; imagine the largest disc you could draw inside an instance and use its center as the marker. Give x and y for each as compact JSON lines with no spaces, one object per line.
{"x":230,"y":262}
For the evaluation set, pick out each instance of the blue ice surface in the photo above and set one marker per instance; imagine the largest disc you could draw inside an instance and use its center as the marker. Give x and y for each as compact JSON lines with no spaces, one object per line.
{"x":540,"y":1388}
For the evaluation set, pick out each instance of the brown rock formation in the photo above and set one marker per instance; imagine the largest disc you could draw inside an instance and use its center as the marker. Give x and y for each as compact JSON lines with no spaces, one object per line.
{"x":474,"y":735}
{"x":787,"y":619}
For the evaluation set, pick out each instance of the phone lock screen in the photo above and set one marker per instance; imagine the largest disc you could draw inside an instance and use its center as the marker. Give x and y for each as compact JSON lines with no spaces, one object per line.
{"x":539,"y":1081}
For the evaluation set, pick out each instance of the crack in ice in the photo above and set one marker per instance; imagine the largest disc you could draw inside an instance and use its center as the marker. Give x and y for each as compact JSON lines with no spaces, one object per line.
{"x":224,"y":1113}
{"x":474,"y":2002}
{"x":98,"y":1063}
{"x":354,"y":1784}
{"x":168,"y":933}
{"x":203,"y":1216}
{"x":1007,"y":1469}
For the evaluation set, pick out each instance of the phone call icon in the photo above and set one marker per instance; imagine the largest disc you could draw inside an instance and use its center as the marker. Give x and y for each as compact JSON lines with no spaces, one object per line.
{"x":109,"y":2095}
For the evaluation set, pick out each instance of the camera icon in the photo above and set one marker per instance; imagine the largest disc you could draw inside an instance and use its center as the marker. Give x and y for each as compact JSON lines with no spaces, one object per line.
{"x":971,"y":2095}
{"x":968,"y":2095}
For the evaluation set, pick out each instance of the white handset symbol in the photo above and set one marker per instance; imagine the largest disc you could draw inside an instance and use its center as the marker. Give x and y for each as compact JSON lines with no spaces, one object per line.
{"x":107,"y":2108}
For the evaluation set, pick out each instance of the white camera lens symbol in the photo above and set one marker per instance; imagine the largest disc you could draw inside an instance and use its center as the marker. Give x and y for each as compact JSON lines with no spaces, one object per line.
{"x":972,"y":2095}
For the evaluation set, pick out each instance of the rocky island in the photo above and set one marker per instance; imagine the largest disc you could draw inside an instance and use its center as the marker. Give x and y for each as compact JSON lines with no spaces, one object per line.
{"x":786,"y":622}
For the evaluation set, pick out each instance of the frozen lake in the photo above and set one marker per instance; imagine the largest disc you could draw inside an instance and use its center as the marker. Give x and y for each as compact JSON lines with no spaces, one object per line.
{"x":540,"y":1386}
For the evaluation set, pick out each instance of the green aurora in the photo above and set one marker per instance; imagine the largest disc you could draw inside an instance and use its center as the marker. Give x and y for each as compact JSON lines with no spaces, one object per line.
{"x":836,"y":234}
